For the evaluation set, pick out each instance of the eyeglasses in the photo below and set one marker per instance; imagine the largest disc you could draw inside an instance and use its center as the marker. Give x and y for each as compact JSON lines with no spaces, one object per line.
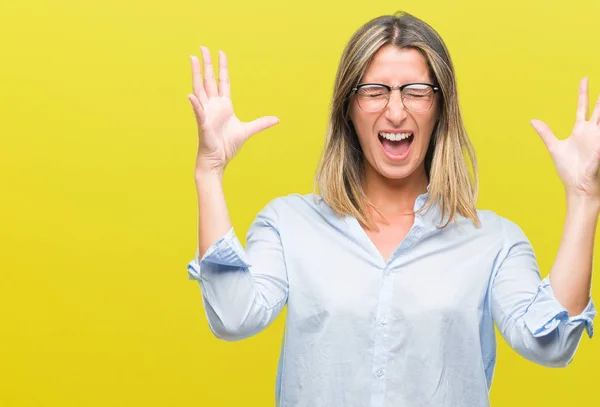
{"x":374,"y":97}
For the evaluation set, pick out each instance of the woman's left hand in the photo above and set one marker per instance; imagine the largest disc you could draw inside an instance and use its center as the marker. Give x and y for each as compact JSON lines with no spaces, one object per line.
{"x":577,"y":158}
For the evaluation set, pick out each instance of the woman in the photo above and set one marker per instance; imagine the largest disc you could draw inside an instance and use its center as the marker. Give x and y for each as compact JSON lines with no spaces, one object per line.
{"x":393,"y":280}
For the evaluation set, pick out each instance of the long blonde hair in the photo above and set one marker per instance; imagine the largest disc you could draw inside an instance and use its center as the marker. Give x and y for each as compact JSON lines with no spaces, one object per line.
{"x":340,"y":174}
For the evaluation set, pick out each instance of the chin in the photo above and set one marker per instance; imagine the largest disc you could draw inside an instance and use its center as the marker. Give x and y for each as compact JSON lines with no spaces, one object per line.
{"x":397,"y":175}
{"x":395,"y":171}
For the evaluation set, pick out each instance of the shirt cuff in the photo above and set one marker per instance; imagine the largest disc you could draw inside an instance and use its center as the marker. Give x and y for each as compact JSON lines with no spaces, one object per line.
{"x":227,"y":251}
{"x":544,"y":314}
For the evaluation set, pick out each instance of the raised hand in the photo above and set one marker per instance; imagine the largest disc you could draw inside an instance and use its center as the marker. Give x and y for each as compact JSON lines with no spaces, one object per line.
{"x":577,"y":158}
{"x":221,"y":134}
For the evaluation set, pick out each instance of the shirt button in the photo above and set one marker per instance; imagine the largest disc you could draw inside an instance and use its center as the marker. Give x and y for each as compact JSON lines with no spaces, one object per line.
{"x":379,"y":373}
{"x":383,"y":321}
{"x":387,"y":272}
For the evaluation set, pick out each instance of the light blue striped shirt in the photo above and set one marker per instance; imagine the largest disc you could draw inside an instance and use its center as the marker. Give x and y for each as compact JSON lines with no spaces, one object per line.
{"x":415,"y":331}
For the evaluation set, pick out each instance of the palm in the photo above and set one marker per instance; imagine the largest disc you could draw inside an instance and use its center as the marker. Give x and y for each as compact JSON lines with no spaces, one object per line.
{"x":577,"y":158}
{"x":221,"y":133}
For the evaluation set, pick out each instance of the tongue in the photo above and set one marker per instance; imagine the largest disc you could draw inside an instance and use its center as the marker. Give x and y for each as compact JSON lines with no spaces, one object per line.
{"x":396,"y":147}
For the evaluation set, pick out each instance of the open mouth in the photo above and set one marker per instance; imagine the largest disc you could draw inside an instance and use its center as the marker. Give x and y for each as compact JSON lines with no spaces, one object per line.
{"x":396,"y":144}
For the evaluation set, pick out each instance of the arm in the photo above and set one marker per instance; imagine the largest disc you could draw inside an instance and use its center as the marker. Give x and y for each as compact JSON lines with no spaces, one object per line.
{"x":213,"y":217}
{"x":242,"y":291}
{"x":577,"y":160}
{"x":571,"y":273}
{"x":544,"y":321}
{"x":527,"y":312}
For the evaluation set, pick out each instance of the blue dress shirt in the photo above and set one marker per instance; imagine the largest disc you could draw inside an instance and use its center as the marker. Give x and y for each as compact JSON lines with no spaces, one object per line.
{"x":415,"y":331}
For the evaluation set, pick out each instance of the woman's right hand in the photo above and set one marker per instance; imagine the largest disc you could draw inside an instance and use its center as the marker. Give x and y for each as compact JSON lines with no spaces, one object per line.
{"x":220,"y":133}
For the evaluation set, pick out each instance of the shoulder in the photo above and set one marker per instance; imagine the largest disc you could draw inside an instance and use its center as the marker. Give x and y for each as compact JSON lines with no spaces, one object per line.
{"x":294,"y":203}
{"x":294,"y":206}
{"x":502,"y":227}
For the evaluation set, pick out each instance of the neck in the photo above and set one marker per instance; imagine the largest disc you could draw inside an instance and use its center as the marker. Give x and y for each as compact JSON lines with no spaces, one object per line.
{"x":394,"y":196}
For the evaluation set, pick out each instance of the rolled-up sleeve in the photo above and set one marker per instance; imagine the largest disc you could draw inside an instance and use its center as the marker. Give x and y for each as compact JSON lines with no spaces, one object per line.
{"x":243,"y":290}
{"x":525,"y":310}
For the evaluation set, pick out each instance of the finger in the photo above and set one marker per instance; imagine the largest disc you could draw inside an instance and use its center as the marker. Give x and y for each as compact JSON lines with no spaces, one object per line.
{"x":545,"y":133}
{"x":582,"y":100}
{"x":260,"y":124}
{"x":224,"y":87}
{"x":596,"y":113}
{"x":197,"y":85}
{"x":200,"y":115}
{"x":209,"y":74}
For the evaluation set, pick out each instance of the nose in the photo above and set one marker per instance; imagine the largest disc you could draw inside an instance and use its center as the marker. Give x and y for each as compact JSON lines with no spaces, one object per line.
{"x":395,"y":111}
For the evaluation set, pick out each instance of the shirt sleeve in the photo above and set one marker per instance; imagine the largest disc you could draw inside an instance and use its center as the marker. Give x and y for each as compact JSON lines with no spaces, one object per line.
{"x":243,"y":290}
{"x":525,"y":310}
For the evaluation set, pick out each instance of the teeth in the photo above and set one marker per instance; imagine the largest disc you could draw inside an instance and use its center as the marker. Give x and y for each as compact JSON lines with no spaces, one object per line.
{"x":395,"y":136}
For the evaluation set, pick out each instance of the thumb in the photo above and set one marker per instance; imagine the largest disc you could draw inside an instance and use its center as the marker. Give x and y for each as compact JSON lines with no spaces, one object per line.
{"x":260,"y":124}
{"x":545,"y":133}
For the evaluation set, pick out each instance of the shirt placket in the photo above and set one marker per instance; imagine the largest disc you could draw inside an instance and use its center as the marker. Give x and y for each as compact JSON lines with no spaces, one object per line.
{"x":380,"y":356}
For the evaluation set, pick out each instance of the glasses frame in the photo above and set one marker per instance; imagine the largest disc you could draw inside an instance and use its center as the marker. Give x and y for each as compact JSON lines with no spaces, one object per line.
{"x":389,"y":88}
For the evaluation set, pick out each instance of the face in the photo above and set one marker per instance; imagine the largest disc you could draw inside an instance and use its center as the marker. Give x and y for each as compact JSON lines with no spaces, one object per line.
{"x":394,"y":159}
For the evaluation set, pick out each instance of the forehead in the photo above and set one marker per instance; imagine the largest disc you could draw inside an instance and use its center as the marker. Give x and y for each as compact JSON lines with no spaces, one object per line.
{"x":394,"y":66}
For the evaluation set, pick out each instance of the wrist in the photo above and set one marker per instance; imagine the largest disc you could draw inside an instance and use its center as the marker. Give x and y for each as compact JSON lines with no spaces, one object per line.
{"x":584,"y":205}
{"x":203,"y":174}
{"x":205,"y":169}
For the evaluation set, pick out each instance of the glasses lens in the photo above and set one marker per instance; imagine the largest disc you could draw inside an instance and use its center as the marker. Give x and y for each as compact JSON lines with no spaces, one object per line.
{"x":417,"y":98}
{"x":372,"y":98}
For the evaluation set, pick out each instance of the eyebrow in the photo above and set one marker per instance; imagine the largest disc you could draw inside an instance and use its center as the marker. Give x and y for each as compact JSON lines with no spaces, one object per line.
{"x":387,"y":83}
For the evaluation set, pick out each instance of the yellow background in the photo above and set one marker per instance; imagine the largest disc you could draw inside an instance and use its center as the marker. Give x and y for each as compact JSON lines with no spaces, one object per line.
{"x":98,"y":204}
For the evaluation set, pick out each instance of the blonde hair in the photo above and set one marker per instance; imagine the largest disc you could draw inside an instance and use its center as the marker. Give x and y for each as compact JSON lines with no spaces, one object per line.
{"x":340,"y":174}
